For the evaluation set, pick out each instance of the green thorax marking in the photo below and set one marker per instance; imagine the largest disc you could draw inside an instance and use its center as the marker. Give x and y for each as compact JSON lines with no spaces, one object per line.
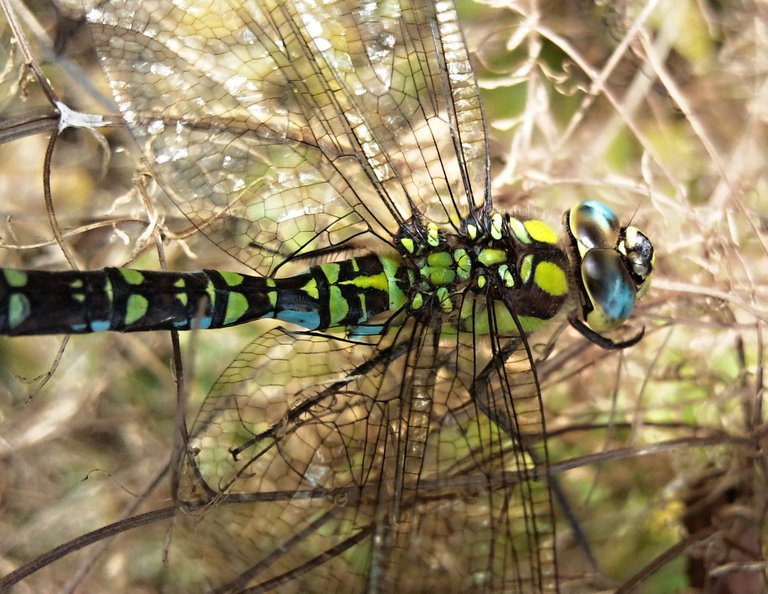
{"x":514,"y":265}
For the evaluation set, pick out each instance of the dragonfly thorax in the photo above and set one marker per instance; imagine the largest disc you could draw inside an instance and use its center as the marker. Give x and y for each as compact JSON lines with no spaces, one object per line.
{"x":511,"y":265}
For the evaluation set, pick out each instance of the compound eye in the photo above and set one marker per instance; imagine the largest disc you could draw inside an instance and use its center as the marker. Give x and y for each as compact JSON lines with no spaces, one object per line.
{"x":608,"y":291}
{"x":593,"y":225}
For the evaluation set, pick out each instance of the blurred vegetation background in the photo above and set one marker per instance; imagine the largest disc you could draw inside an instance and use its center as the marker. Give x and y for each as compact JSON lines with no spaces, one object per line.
{"x":658,"y":108}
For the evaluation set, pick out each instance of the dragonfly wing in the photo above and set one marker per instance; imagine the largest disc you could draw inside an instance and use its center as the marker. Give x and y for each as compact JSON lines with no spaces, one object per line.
{"x":334,"y":465}
{"x":281,"y":128}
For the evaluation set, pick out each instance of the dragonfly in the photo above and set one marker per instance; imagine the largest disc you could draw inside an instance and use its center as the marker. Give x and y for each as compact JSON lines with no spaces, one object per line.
{"x":385,"y":431}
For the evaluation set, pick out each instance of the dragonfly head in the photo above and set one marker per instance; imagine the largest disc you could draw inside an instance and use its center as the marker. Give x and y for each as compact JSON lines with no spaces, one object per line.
{"x":612,"y":264}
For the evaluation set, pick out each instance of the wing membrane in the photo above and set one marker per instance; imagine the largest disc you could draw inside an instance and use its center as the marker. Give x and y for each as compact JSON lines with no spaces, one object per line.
{"x":371,"y":467}
{"x":285,"y":127}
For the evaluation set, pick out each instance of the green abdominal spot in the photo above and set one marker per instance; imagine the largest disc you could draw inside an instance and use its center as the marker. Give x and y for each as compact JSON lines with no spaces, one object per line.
{"x":338,"y":306}
{"x":18,"y":309}
{"x":15,"y":278}
{"x":237,"y":305}
{"x":135,"y":309}
{"x":132,"y":277}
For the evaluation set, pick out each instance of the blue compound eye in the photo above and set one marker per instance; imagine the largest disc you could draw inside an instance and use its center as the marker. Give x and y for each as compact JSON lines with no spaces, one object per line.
{"x":608,"y":288}
{"x":593,"y":225}
{"x":611,"y":265}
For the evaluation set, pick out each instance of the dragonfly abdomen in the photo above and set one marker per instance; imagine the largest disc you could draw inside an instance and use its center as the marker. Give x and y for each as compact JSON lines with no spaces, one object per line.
{"x":339,"y":294}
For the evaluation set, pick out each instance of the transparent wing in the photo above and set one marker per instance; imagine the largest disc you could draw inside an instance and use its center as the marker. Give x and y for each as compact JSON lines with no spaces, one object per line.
{"x":320,"y":464}
{"x":281,"y":127}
